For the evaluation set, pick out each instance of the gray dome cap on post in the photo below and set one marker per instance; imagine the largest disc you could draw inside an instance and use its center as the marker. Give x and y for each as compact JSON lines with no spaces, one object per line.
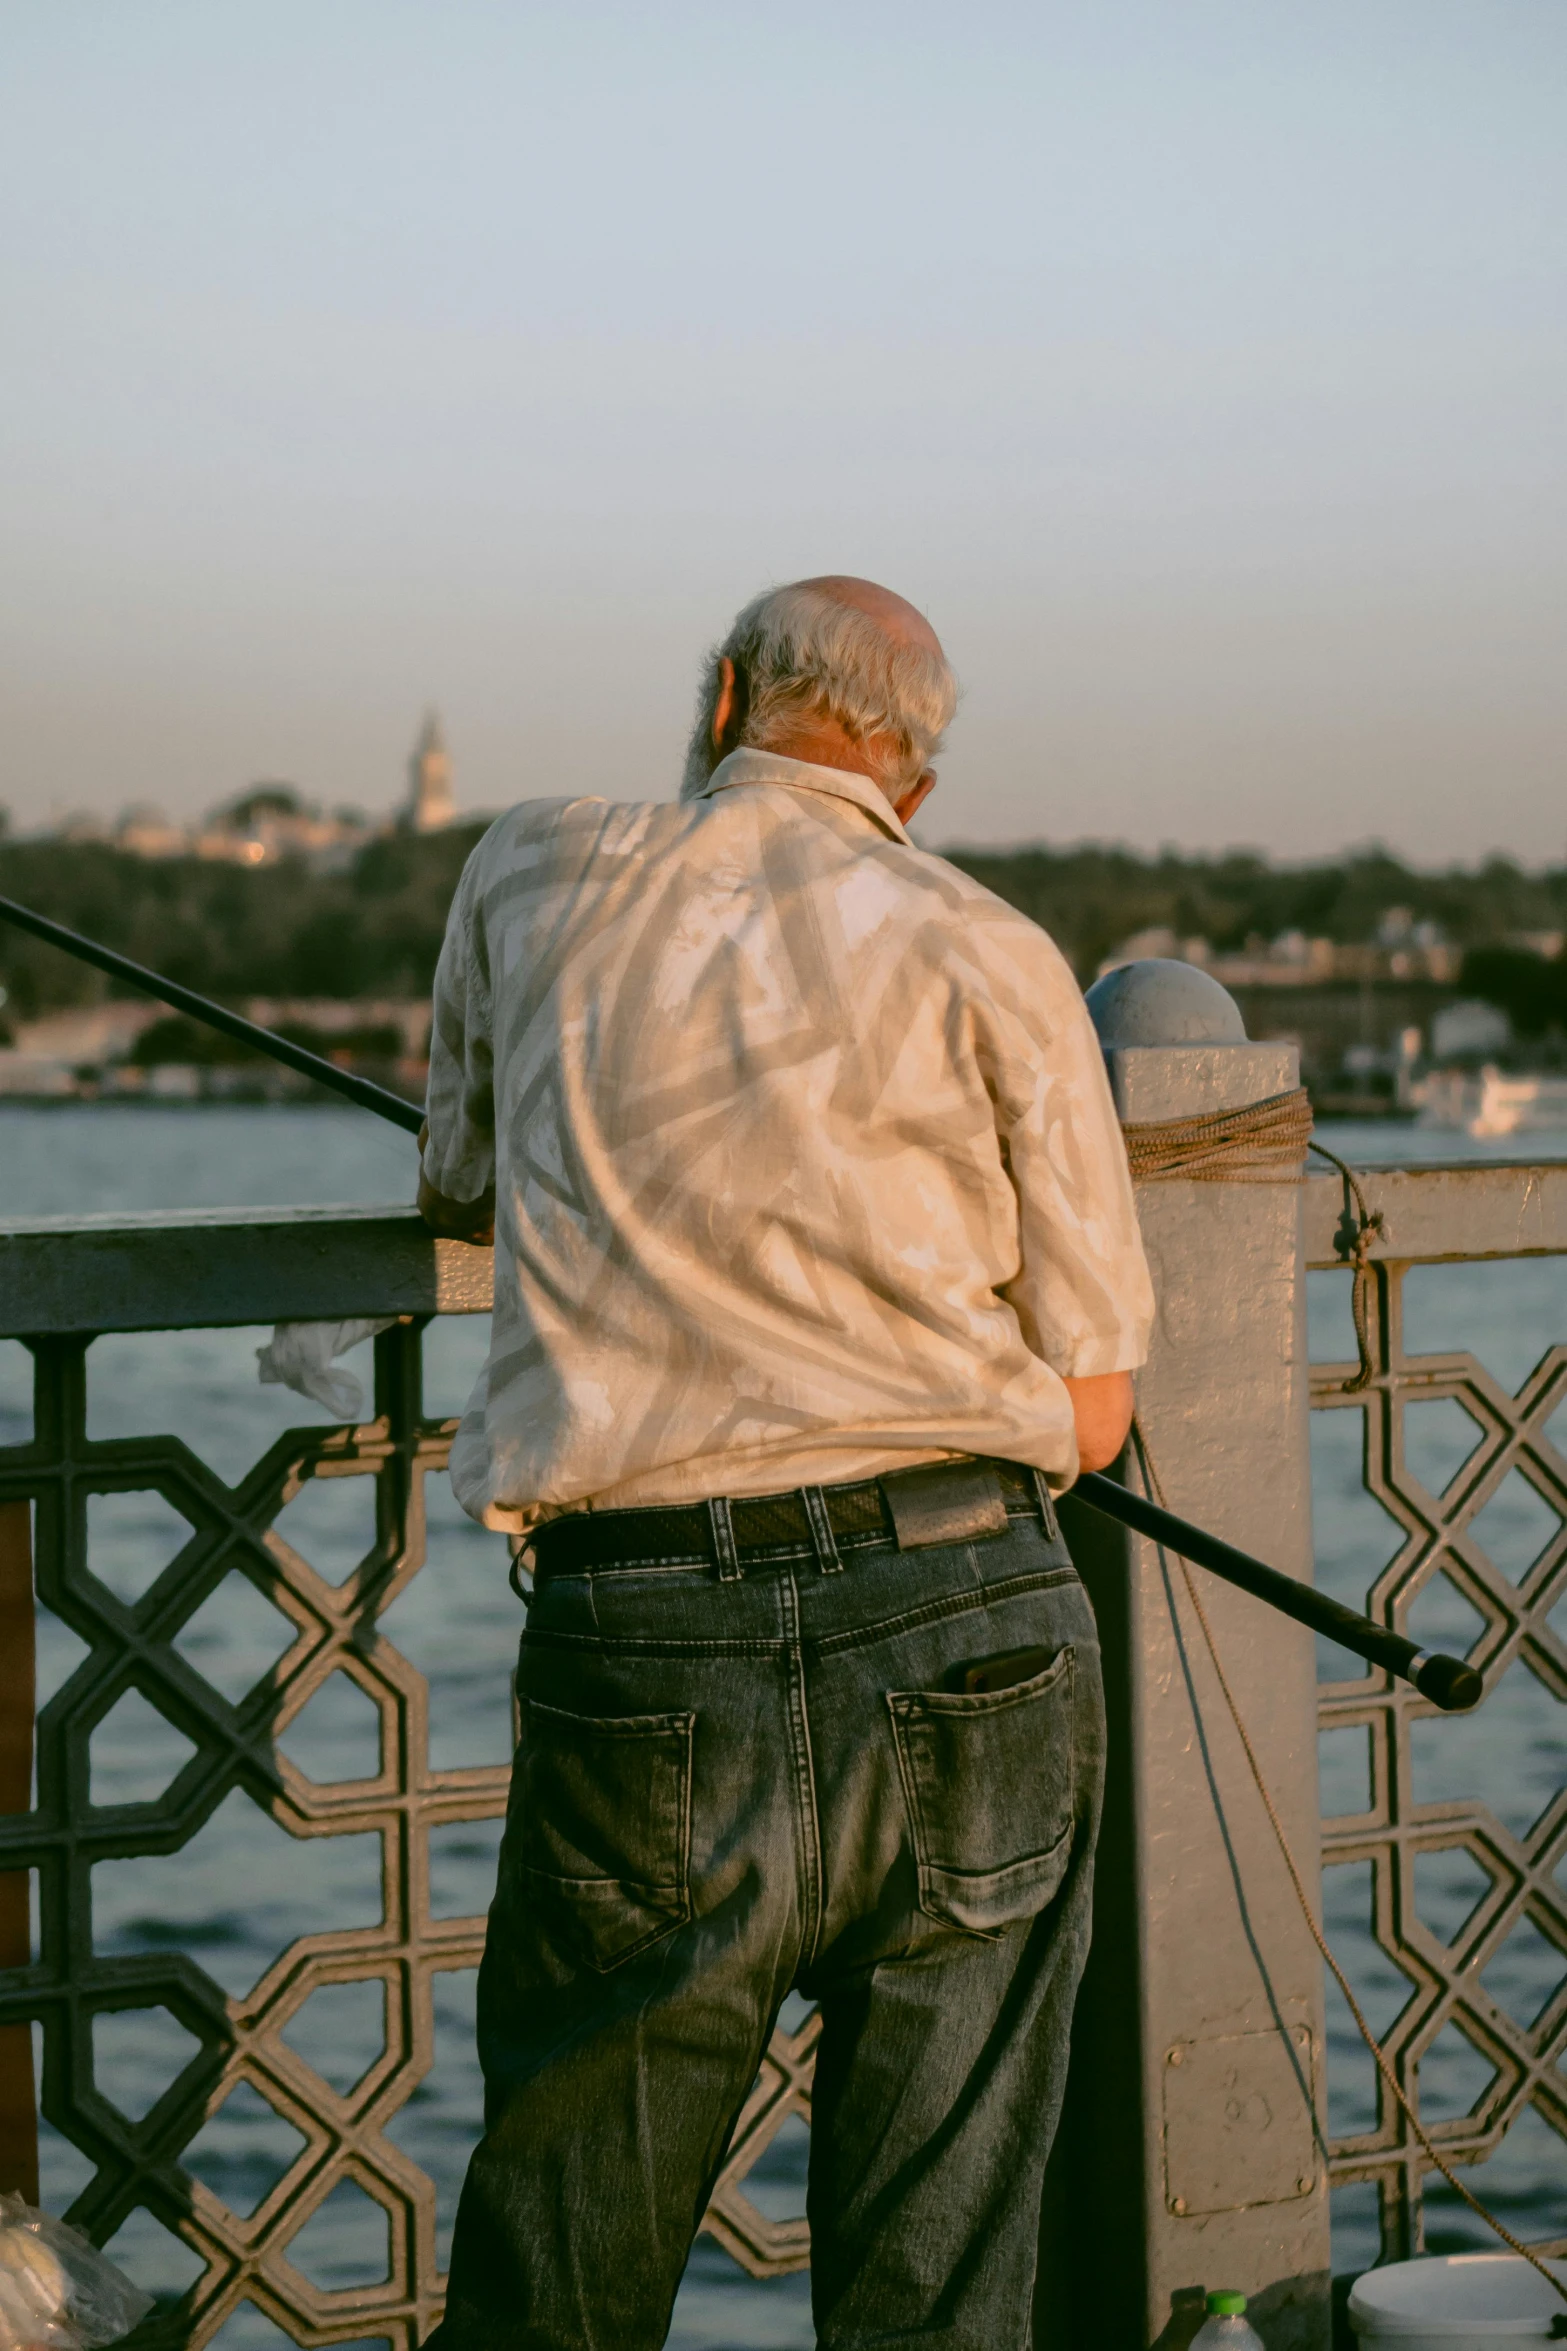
{"x":1162,"y":1002}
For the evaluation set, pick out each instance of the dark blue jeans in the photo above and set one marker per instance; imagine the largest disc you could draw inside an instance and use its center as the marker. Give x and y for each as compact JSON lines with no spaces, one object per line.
{"x":728,"y":1789}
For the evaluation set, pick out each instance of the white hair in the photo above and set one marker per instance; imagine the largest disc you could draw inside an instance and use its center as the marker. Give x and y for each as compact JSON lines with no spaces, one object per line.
{"x":800,"y":653}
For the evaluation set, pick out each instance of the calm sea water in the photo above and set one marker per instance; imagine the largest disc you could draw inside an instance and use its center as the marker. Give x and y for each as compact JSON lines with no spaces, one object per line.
{"x":241,"y":1891}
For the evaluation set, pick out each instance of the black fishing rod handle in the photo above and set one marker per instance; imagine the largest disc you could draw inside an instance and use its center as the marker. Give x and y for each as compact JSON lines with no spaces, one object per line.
{"x":1448,"y":1682}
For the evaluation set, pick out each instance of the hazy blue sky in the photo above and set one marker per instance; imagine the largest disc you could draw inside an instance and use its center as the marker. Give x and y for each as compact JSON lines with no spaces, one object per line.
{"x":1200,"y":368}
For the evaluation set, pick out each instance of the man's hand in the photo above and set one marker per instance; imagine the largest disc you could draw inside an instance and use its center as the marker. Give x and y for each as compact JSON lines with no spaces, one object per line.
{"x":1102,"y":1408}
{"x":454,"y":1220}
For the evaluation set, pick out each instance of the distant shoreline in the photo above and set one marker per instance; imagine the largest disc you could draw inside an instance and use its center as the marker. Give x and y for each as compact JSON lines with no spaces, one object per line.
{"x":51,"y":1104}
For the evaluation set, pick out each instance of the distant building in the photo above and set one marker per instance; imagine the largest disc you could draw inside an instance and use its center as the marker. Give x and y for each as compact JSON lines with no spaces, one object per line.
{"x":80,"y":826}
{"x":272,"y":821}
{"x":430,"y":803}
{"x":1299,"y":957}
{"x":1293,"y":960}
{"x":50,"y":1056}
{"x":1158,"y":940}
{"x":1469,"y":1031}
{"x":146,"y":832}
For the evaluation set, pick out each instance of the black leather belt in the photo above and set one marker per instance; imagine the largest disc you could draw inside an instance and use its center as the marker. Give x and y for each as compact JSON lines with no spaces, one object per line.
{"x":940,"y":1502}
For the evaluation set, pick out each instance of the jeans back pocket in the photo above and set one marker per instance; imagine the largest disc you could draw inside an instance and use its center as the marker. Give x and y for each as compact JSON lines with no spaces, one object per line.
{"x":605,"y":1811}
{"x":989,"y":1778}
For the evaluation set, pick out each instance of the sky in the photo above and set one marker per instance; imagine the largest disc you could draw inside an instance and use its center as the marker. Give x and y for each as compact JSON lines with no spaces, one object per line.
{"x":1200,"y":370}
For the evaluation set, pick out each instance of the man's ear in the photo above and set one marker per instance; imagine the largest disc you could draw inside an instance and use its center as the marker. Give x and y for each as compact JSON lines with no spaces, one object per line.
{"x":914,"y":796}
{"x":729,"y":709}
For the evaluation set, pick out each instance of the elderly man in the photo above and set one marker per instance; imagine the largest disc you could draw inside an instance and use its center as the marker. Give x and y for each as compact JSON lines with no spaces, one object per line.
{"x":816,"y":1273}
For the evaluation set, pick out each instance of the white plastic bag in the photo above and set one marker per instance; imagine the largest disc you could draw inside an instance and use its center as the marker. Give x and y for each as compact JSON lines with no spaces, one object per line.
{"x":58,"y":2292}
{"x":302,"y":1356}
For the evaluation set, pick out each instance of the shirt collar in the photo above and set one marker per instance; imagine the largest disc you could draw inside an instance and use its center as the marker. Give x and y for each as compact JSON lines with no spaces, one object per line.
{"x":748,"y":766}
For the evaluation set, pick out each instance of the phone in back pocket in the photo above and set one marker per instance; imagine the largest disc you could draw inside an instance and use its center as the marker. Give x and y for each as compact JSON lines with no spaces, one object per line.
{"x":1000,"y":1673}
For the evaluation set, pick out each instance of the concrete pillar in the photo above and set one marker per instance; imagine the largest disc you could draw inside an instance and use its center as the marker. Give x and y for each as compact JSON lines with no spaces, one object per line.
{"x":1190,"y":2156}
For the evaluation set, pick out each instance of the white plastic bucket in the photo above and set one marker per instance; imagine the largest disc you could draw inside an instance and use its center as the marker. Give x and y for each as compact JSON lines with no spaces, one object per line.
{"x":1456,"y":2302}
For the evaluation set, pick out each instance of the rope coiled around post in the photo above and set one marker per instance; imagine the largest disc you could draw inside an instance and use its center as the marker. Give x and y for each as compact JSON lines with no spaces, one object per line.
{"x":1263,"y":1143}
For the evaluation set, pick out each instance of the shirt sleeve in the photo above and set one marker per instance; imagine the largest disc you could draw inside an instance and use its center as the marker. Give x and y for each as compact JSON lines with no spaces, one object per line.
{"x":1082,"y":1294}
{"x":459,"y":1155}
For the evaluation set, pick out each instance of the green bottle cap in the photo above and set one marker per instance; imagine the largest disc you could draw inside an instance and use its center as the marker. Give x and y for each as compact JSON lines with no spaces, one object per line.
{"x":1226,"y":2305}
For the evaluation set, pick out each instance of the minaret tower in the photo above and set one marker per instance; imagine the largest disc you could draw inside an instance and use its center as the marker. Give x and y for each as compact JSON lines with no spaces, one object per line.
{"x":430,"y":803}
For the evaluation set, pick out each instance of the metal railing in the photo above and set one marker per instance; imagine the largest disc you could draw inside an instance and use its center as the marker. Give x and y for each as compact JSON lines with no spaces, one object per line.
{"x":63,"y":1285}
{"x":1446,"y":1216}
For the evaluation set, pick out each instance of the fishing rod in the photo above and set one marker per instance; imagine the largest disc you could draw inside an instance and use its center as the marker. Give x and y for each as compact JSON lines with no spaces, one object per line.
{"x":1447,"y":1681}
{"x":364,"y":1091}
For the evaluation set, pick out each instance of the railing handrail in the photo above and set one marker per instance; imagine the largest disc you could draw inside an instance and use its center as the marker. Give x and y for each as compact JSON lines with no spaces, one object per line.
{"x":141,"y":1220}
{"x":1440,"y":1213}
{"x":206,"y":1268}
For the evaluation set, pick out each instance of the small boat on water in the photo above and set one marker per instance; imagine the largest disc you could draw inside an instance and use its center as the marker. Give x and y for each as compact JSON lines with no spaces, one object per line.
{"x":1488,"y":1103}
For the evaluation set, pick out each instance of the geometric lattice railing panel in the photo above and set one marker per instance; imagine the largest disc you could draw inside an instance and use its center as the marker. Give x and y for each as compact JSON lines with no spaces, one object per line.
{"x":1452,"y":1831}
{"x":245,"y":2064}
{"x":242,"y":2085}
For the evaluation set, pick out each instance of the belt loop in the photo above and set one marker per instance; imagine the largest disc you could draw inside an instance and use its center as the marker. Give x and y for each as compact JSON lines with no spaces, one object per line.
{"x":724,"y":1547}
{"x":823,"y":1541}
{"x":523,"y":1571}
{"x":1047,"y":1508}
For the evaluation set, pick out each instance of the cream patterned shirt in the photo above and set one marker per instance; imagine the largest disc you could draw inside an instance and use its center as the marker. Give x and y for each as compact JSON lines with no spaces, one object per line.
{"x":804,"y":1158}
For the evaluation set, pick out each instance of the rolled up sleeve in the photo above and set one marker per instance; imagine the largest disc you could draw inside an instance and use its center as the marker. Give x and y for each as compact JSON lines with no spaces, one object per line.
{"x":459,"y":1152}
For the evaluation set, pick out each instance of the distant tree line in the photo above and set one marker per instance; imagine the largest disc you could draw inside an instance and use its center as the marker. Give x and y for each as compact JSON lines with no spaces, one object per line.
{"x":376,"y":928}
{"x":232,"y":930}
{"x":1531,"y":991}
{"x":1090,"y":898}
